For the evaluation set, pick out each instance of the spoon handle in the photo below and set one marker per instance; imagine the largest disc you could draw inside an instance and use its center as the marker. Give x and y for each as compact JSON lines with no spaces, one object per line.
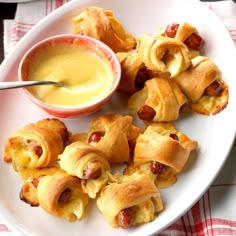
{"x":19,"y":84}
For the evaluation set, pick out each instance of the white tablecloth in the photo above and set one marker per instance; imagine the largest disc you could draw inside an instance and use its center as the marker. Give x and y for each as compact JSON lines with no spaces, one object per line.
{"x":215,"y":212}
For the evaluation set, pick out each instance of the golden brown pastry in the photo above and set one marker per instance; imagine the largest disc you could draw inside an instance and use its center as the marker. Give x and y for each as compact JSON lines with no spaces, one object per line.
{"x":160,"y":100}
{"x":33,"y":146}
{"x":187,"y":34}
{"x":61,"y":195}
{"x":203,"y":85}
{"x":88,"y":164}
{"x":133,"y":72}
{"x":55,"y":125}
{"x":102,"y":25}
{"x":161,"y":152}
{"x":133,"y":201}
{"x":163,"y":54}
{"x":181,"y":31}
{"x":114,"y":135}
{"x":31,"y":178}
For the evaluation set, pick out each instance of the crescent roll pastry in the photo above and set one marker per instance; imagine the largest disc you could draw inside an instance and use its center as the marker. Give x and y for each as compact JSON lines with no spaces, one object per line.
{"x":56,"y":126}
{"x":160,"y":100}
{"x":31,"y":178}
{"x":161,"y":152}
{"x":163,"y":54}
{"x":114,"y":135}
{"x":88,"y":164}
{"x":131,"y":202}
{"x":33,"y":146}
{"x":61,"y":195}
{"x":184,"y":30}
{"x":102,"y":25}
{"x":187,"y":34}
{"x":133,"y":72}
{"x":203,"y":85}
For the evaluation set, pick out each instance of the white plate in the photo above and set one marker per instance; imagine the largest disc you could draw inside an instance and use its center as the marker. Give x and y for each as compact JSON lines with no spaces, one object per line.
{"x":215,"y":134}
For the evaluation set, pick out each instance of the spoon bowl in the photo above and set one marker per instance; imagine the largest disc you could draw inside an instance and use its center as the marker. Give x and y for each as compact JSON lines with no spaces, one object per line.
{"x":89,"y":71}
{"x":20,"y":84}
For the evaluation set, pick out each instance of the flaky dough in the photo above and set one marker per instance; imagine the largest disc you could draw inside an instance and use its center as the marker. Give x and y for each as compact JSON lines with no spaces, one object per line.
{"x":102,"y":25}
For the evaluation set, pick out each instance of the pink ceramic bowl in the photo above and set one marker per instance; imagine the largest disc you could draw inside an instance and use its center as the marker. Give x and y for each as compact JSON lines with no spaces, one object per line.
{"x":64,"y":57}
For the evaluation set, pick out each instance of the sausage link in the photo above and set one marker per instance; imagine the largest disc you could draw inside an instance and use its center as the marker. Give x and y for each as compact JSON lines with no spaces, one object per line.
{"x":184,"y":108}
{"x":65,"y":196}
{"x":125,"y":218}
{"x":171,"y":30}
{"x":141,"y":78}
{"x":174,"y":136}
{"x":96,"y":136}
{"x":38,"y":150}
{"x":34,"y":147}
{"x":146,"y":113}
{"x":92,"y":173}
{"x":214,"y":89}
{"x":132,"y":144}
{"x":157,"y":168}
{"x":195,"y":42}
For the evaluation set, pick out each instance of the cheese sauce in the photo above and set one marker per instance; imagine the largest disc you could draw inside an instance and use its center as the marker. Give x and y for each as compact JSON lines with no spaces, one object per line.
{"x":86,"y":76}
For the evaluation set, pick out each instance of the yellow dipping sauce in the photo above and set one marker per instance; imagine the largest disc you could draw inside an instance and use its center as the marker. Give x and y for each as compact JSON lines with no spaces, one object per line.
{"x":86,"y":76}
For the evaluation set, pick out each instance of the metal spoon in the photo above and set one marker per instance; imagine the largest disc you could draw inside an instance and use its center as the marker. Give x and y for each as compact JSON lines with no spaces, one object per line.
{"x":19,"y":84}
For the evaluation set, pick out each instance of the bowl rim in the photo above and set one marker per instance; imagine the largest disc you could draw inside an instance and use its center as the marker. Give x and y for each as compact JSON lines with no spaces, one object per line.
{"x":107,"y":51}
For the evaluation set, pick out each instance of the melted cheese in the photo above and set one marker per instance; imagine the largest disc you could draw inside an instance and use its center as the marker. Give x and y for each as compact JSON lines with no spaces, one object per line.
{"x":164,"y":180}
{"x":93,"y":186}
{"x":85,"y":75}
{"x":75,"y":208}
{"x":144,"y":212}
{"x":22,"y":156}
